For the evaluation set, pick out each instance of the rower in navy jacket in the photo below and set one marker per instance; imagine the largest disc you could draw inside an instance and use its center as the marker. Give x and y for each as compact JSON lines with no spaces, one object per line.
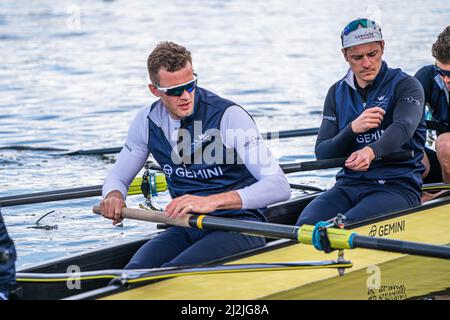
{"x":435,"y":80}
{"x":214,"y":158}
{"x":373,"y":111}
{"x":7,"y":259}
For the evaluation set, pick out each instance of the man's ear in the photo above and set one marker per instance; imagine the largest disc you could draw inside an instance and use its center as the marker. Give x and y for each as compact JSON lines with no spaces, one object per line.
{"x":382,"y":46}
{"x":344,"y":52}
{"x":154,"y":90}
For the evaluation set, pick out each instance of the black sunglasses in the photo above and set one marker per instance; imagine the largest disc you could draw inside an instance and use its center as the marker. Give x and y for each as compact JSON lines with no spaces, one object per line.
{"x":177,"y":91}
{"x":441,"y":72}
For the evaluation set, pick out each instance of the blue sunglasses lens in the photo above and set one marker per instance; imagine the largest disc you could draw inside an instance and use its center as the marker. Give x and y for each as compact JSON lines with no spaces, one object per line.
{"x":443,"y":73}
{"x":360,"y":23}
{"x":178,"y":91}
{"x":354,"y":25}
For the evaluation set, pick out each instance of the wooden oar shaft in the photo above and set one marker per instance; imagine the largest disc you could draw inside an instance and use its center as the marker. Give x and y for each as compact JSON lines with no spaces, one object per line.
{"x":338,"y":238}
{"x":270,"y":230}
{"x":151,"y":216}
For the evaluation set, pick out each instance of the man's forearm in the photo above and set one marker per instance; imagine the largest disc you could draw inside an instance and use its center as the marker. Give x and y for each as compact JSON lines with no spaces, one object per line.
{"x":122,"y":173}
{"x":226,"y":200}
{"x":332,"y":142}
{"x":336,"y":146}
{"x":407,"y":116}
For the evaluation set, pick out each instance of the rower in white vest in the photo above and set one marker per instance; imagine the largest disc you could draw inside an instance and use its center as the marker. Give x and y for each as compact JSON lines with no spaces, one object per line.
{"x":214,"y":158}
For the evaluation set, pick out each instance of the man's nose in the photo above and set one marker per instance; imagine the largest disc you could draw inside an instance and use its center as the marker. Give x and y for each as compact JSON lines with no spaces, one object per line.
{"x":185,"y":95}
{"x":366,"y":62}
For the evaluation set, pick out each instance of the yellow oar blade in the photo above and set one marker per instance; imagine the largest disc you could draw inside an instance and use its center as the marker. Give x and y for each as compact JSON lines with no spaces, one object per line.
{"x":135,"y":187}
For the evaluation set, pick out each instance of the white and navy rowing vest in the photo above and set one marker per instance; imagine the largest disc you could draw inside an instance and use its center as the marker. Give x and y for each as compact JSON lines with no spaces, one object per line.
{"x":350,"y":104}
{"x":186,"y":174}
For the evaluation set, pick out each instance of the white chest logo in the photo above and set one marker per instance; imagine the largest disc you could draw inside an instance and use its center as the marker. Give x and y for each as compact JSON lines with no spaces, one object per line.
{"x":200,"y":139}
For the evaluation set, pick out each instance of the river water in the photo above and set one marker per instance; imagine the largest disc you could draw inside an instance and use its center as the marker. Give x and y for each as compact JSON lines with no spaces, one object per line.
{"x":73,"y":74}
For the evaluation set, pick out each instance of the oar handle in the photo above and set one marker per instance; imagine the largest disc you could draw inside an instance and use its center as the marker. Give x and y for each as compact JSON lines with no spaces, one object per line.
{"x":439,"y":126}
{"x":151,"y":216}
{"x":340,"y":162}
{"x":256,"y":228}
{"x":313,"y":165}
{"x":338,"y":238}
{"x":290,"y":133}
{"x":398,"y":156}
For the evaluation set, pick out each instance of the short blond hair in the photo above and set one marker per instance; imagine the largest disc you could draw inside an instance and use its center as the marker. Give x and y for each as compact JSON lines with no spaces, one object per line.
{"x":167,"y":55}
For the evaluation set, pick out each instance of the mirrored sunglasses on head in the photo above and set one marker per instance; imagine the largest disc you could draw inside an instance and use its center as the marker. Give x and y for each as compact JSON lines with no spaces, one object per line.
{"x":442,"y":72}
{"x":359,"y":23}
{"x":177,"y":91}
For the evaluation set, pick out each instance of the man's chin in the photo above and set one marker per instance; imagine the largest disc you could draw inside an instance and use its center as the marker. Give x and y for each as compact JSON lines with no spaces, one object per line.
{"x":368,"y":77}
{"x":184,"y":113}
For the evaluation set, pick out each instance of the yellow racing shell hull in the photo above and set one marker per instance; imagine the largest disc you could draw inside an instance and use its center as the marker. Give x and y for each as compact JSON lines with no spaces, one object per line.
{"x":374,"y":275}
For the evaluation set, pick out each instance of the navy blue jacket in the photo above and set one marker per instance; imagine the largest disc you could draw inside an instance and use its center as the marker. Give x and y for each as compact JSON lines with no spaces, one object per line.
{"x":348,"y":104}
